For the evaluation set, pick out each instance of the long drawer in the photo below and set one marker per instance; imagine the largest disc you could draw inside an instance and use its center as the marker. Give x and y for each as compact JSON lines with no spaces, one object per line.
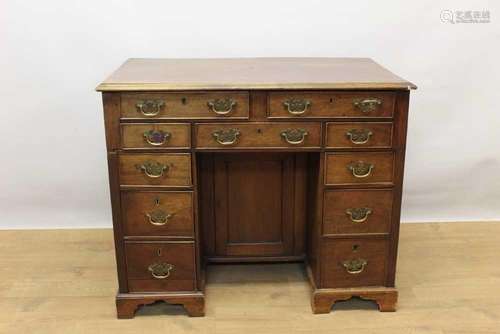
{"x":155,"y":169}
{"x":258,"y":135}
{"x":353,"y":262}
{"x":154,"y":213}
{"x":160,"y":266}
{"x":188,"y":105}
{"x":155,"y":136}
{"x":357,"y":211}
{"x":359,"y":168}
{"x":326,"y":104}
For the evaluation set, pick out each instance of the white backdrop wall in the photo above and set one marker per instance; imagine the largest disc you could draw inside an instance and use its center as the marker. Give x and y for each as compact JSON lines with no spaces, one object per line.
{"x":53,"y":53}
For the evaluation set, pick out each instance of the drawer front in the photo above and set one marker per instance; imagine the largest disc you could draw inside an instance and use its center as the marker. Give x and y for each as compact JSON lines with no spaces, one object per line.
{"x":353,"y":262}
{"x":172,"y":169}
{"x":331,"y":104}
{"x":193,"y":105}
{"x":160,"y":266}
{"x":357,"y":211}
{"x":358,"y":135}
{"x":156,"y":136}
{"x":359,"y":168}
{"x":157,"y":213}
{"x":258,"y":135}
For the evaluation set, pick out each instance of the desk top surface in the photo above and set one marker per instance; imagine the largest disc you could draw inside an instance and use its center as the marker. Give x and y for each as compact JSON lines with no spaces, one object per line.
{"x":252,"y":73}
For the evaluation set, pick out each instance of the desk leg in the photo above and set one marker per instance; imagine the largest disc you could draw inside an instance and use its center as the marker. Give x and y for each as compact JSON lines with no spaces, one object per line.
{"x":323,"y":299}
{"x":127,"y":304}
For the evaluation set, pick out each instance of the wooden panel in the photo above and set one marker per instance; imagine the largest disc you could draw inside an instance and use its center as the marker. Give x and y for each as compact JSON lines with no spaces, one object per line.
{"x":400,"y":127}
{"x":338,"y":172}
{"x":257,"y":135}
{"x":135,"y":135}
{"x":315,"y":188}
{"x":252,"y":73}
{"x":331,"y":104}
{"x":184,"y":105}
{"x":336,"y":251}
{"x":338,"y":221}
{"x":254,"y":204}
{"x":140,"y":255}
{"x":111,"y":106}
{"x":114,"y":187}
{"x":178,"y":173}
{"x":136,"y":206}
{"x":343,"y":135}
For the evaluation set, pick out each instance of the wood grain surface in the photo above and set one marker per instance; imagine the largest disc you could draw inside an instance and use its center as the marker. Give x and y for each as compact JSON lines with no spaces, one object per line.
{"x":252,"y":73}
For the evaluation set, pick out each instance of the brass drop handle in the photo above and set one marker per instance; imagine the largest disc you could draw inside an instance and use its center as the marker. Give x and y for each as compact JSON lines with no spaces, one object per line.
{"x":161,"y":270}
{"x":158,"y":217}
{"x":355,"y":266}
{"x":157,"y":138}
{"x":226,"y":137}
{"x":358,"y":215}
{"x":359,"y":136}
{"x":360,"y":169}
{"x":150,"y":108}
{"x":367,"y":105}
{"x":153,"y":169}
{"x":294,"y":136}
{"x":221,"y":106}
{"x":297,"y":106}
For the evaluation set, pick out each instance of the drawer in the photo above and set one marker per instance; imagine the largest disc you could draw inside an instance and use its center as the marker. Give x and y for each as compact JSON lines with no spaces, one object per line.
{"x":331,"y":104}
{"x":357,"y":211}
{"x":359,"y":135}
{"x":155,"y":169}
{"x":146,"y":213}
{"x":156,"y":136}
{"x":160,"y":266}
{"x":258,"y":135}
{"x":193,"y":105}
{"x":359,"y":168}
{"x":353,"y":262}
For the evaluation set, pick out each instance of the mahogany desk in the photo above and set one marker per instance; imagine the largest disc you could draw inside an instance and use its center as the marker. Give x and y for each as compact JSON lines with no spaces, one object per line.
{"x":255,"y":160}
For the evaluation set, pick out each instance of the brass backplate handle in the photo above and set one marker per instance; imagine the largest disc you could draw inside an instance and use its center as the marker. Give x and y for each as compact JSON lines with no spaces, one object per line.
{"x":367,"y":105}
{"x":158,"y":217}
{"x":358,"y":215}
{"x":153,"y":169}
{"x":226,"y":137}
{"x":157,"y":138}
{"x":360,"y":169}
{"x":161,"y":270}
{"x":294,"y":136}
{"x":359,"y":136}
{"x":355,"y":266}
{"x":150,"y":108}
{"x":297,"y":106}
{"x":221,"y":106}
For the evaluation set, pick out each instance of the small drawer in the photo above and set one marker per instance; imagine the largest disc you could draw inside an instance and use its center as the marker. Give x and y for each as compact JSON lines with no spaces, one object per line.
{"x":146,"y":213}
{"x":160,"y":266}
{"x":359,"y":135}
{"x":258,"y":135}
{"x":353,"y":262}
{"x":192,"y":105}
{"x":357,"y":211}
{"x":331,"y":104}
{"x":359,"y":168}
{"x":156,"y":136}
{"x":155,"y":169}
